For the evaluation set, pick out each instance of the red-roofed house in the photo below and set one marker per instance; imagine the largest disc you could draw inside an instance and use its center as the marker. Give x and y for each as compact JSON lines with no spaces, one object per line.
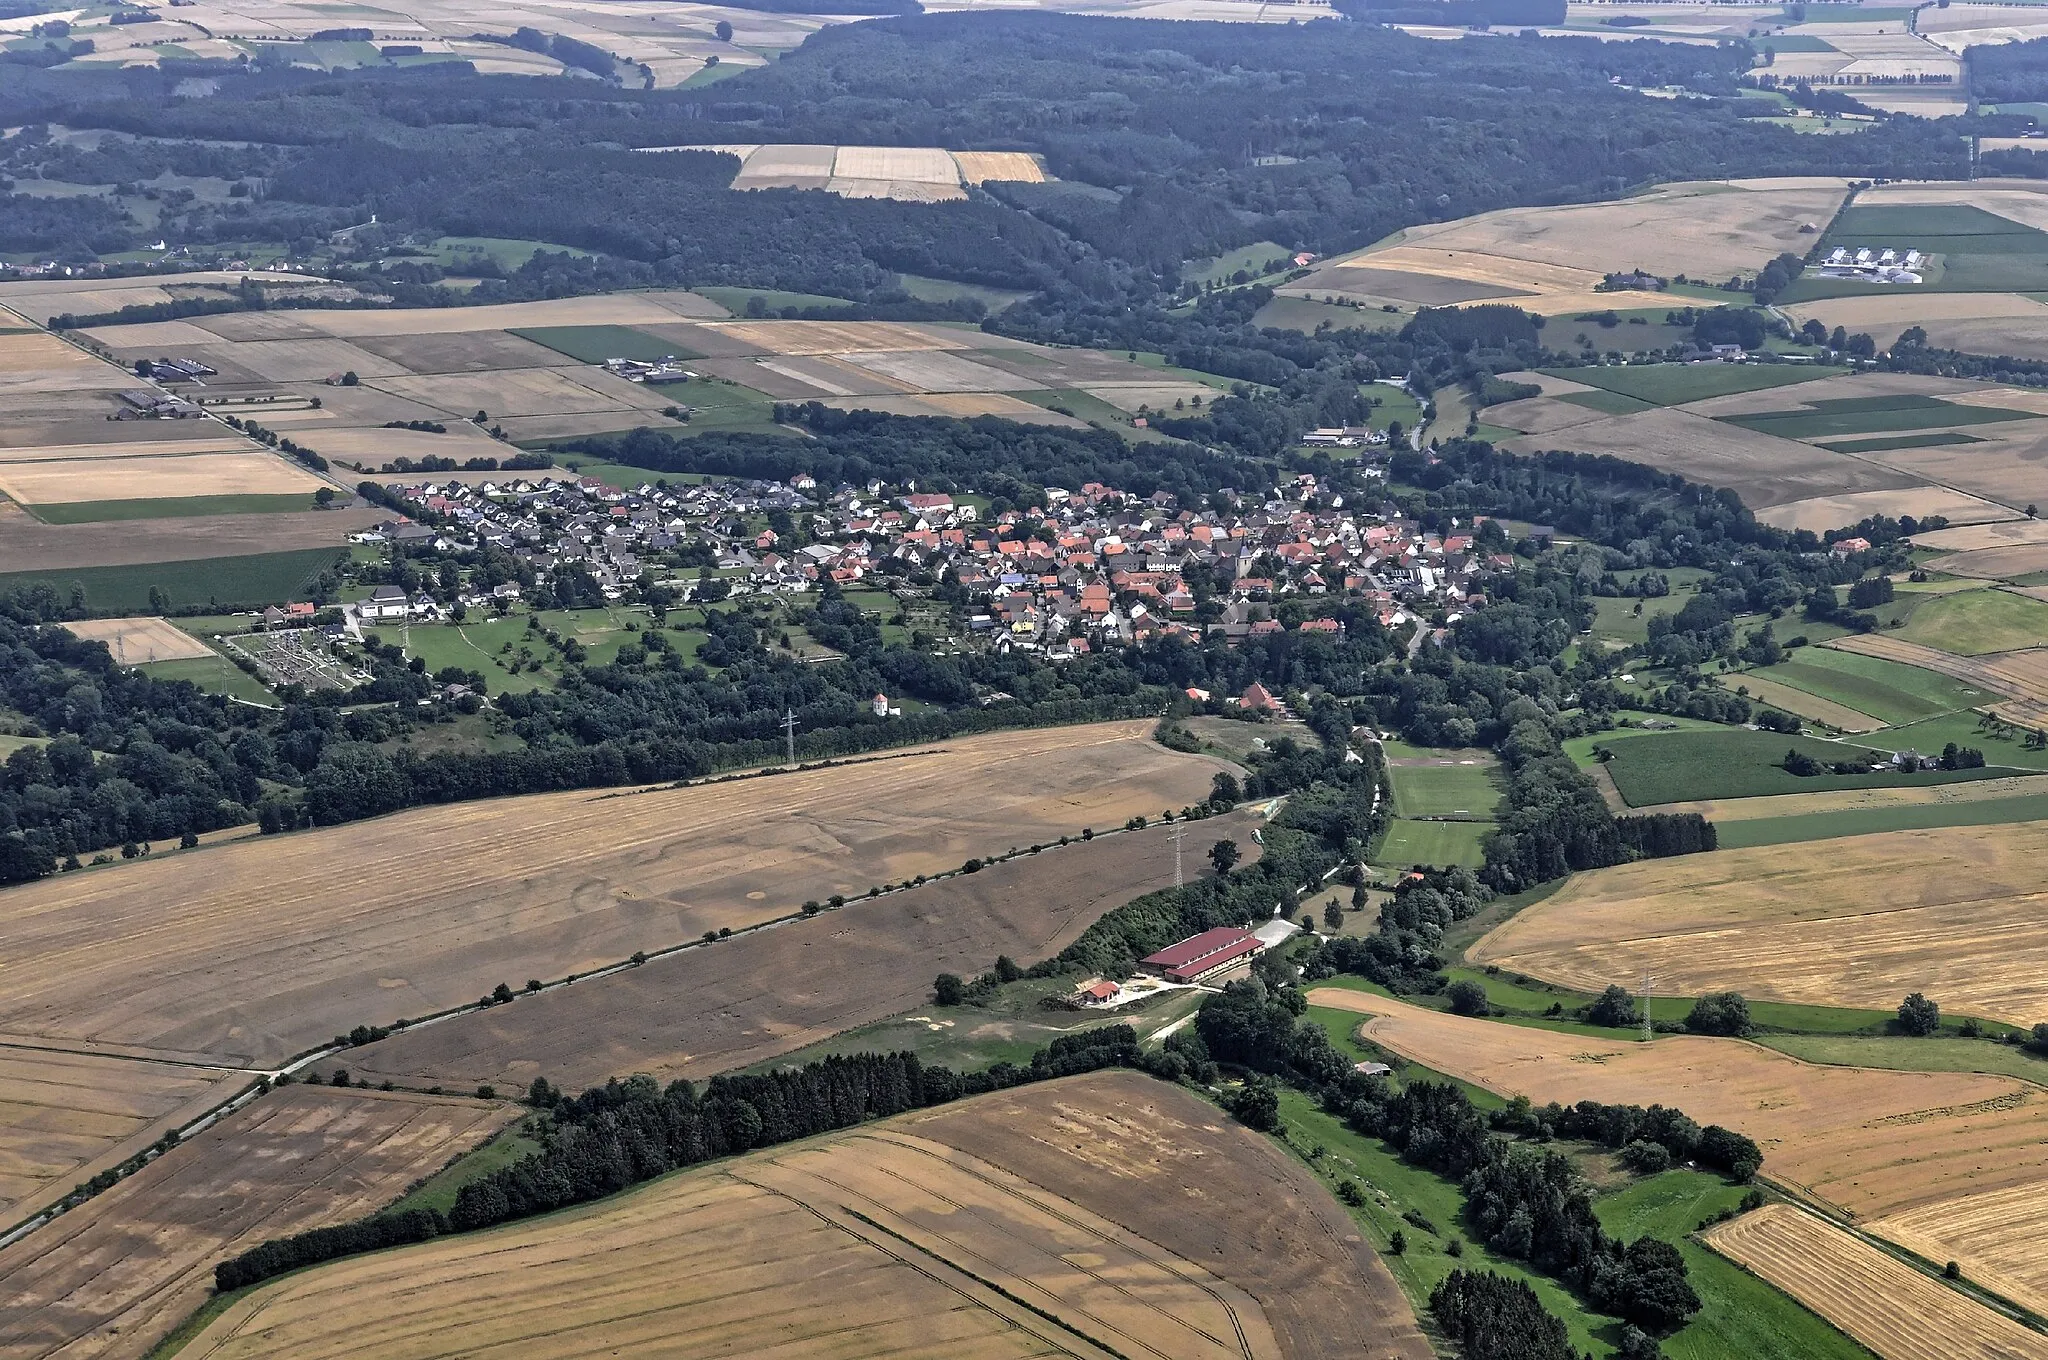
{"x":1258,"y":698}
{"x":1203,"y":955}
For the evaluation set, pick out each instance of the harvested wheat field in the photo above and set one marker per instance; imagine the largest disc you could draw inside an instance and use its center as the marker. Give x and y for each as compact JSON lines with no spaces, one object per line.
{"x":431,"y":908}
{"x":108,"y":1279}
{"x":163,"y":476}
{"x":979,"y":167}
{"x":1821,"y":513}
{"x":700,"y":1012}
{"x":1871,"y":1143}
{"x":28,"y":544}
{"x":1882,"y":1302}
{"x":842,"y":338}
{"x":1108,"y":1215}
{"x":64,"y":1117}
{"x":135,"y":641}
{"x":1861,"y":921}
{"x":1763,"y":469}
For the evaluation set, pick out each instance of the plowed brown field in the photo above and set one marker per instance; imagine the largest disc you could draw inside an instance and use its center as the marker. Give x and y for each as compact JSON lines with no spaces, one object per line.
{"x":704,"y":1011}
{"x":1887,"y":1305}
{"x":259,"y":950}
{"x":1156,"y":1230}
{"x":110,"y":1278}
{"x":1953,"y":912}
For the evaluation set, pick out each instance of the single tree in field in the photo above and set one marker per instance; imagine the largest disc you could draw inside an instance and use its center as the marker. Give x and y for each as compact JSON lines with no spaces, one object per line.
{"x":949,"y":990}
{"x":1223,"y":855}
{"x":1614,"y":1008}
{"x":1468,"y":998}
{"x":1918,"y":1016}
{"x":1725,"y":1013}
{"x":724,"y":30}
{"x":1333,"y":915}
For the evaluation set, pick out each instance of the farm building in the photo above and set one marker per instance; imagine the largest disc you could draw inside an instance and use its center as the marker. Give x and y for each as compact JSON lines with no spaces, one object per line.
{"x":1204,"y":955}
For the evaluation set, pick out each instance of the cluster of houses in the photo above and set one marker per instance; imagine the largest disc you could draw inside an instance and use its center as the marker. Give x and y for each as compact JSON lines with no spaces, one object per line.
{"x":1096,"y":564}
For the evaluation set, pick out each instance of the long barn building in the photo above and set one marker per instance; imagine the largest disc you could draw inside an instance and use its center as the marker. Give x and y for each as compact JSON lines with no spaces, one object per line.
{"x":1203,"y":956}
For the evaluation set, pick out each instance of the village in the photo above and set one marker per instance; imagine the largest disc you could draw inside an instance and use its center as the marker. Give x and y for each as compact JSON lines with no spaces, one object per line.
{"x":1095,"y":565}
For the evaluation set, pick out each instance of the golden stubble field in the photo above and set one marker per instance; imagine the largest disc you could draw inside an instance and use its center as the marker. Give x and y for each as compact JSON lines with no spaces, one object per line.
{"x":136,"y":641}
{"x":1918,"y":1155}
{"x":108,"y":1279}
{"x":257,"y":950}
{"x":1108,"y":1215}
{"x":1887,"y":1305}
{"x":1953,"y":912}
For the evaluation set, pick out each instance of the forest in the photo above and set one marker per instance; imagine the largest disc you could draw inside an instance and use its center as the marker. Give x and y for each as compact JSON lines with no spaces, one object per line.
{"x":1151,"y":130}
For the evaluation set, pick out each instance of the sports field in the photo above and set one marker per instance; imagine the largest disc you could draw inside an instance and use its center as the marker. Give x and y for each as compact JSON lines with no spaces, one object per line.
{"x":1440,"y":843}
{"x":1149,"y":1228}
{"x":1861,"y":921}
{"x":431,"y":908}
{"x":1455,"y":784}
{"x":1897,"y":1311}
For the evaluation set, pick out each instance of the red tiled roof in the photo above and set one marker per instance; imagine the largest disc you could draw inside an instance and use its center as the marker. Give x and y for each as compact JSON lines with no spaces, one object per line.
{"x":1200,"y":949}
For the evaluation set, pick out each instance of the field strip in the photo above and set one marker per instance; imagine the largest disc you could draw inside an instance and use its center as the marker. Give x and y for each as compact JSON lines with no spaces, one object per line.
{"x":1995,"y":1237}
{"x":1880,"y":1301}
{"x":1795,"y":700}
{"x":1770,"y":807}
{"x":1998,"y":675}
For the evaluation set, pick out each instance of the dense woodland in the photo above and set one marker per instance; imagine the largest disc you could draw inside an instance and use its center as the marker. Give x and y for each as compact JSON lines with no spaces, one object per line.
{"x":1151,"y":129}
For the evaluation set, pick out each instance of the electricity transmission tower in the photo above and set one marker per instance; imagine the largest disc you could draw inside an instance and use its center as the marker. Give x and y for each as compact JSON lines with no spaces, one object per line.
{"x":1179,"y":838}
{"x":789,"y":732}
{"x":1648,"y":1032}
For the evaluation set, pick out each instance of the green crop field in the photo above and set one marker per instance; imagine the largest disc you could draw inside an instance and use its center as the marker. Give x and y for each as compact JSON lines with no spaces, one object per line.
{"x":502,"y":251}
{"x":1930,"y":440}
{"x":1676,"y":384}
{"x":1613,"y":403}
{"x":1827,"y":826}
{"x":221,"y":583}
{"x":1674,"y":767}
{"x":1975,"y":250}
{"x":1446,"y":790}
{"x":1441,"y":843}
{"x":1973,"y":622}
{"x":595,"y":344}
{"x":1252,"y":259}
{"x":215,"y":677}
{"x":1886,"y":690}
{"x":1866,"y":415}
{"x":1305,"y":314}
{"x":2001,"y":744}
{"x":171,"y":507}
{"x":1936,"y":1053}
{"x":1740,"y":1314}
{"x":736,"y":300}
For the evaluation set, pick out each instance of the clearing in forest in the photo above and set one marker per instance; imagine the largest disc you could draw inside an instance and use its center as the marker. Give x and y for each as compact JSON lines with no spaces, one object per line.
{"x":1109,"y":1215}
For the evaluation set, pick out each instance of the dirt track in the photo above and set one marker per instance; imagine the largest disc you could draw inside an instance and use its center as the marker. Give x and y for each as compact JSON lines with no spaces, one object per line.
{"x":705,"y":1011}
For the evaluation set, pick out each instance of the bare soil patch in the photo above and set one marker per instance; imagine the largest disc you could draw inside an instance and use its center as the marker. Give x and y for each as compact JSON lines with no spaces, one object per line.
{"x":700,"y":1012}
{"x":155,"y":477}
{"x":1862,"y":921}
{"x":110,"y":1278}
{"x":431,"y":908}
{"x":1882,"y":1302}
{"x":136,"y":641}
